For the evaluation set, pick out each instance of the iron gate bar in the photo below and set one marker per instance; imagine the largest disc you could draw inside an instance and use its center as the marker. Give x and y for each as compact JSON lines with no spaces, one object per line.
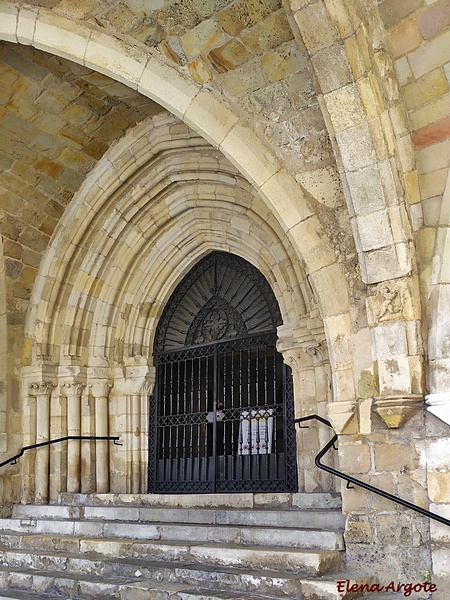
{"x":216,"y":363}
{"x":221,"y":318}
{"x":360,"y":483}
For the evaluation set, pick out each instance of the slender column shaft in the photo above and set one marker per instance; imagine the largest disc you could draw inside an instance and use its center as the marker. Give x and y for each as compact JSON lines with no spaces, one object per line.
{"x":100,"y":391}
{"x":42,"y":391}
{"x":73,"y":393}
{"x":136,"y":442}
{"x":101,"y":446}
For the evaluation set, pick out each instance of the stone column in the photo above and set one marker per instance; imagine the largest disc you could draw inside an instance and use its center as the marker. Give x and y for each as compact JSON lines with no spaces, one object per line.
{"x":100,"y":391}
{"x":135,"y":418}
{"x":145,"y":393}
{"x":73,"y":391}
{"x":42,"y":391}
{"x":308,"y":362}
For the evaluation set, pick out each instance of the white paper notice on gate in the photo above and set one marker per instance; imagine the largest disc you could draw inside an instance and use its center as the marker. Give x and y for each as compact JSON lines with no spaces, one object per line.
{"x":256,"y":432}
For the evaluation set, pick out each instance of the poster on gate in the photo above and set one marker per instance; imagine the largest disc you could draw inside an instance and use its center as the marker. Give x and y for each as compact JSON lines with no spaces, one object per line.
{"x":256,"y":432}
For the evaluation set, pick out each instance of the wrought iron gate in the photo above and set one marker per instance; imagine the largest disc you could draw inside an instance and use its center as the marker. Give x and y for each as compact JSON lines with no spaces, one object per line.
{"x":222,"y":415}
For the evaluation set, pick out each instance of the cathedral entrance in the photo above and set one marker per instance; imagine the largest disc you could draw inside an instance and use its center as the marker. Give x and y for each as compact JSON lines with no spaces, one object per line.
{"x":222,"y":414}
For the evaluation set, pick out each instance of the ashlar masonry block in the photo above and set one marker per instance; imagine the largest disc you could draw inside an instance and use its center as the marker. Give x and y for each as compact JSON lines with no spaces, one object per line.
{"x":202,"y":38}
{"x":429,"y":87}
{"x":111,"y":56}
{"x":356,"y":146}
{"x":67,"y":38}
{"x":358,"y":54}
{"x":243,"y":147}
{"x":405,"y":37}
{"x":374,"y":230}
{"x":366,"y":190}
{"x":313,"y":243}
{"x":330,"y":286}
{"x":432,"y":184}
{"x":8,"y":20}
{"x":26,"y":24}
{"x":344,"y":16}
{"x":395,"y":457}
{"x":318,"y":31}
{"x":215,"y":120}
{"x":345,"y":108}
{"x":332,"y":68}
{"x":434,"y":19}
{"x":371,"y":97}
{"x":163,"y":84}
{"x":431,"y":55}
{"x":394,"y":375}
{"x":390,"y":339}
{"x":431,"y":113}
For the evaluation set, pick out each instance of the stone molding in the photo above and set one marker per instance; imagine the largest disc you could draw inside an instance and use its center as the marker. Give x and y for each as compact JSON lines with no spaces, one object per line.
{"x":439,"y":405}
{"x":397,"y":410}
{"x":343,"y":417}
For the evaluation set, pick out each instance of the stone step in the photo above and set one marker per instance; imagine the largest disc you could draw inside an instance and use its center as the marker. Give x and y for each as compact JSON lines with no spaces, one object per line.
{"x":311,"y":561}
{"x":287,"y":518}
{"x":239,"y":534}
{"x":271,"y":547}
{"x":74,"y":577}
{"x":27,"y":595}
{"x":303,"y":500}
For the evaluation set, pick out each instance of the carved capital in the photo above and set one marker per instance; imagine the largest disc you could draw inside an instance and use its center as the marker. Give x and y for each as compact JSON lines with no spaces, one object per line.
{"x":41,"y":388}
{"x":343,"y":417}
{"x":317,"y":352}
{"x":147,"y":387}
{"x":397,"y":410}
{"x":100,"y":388}
{"x":72,"y":388}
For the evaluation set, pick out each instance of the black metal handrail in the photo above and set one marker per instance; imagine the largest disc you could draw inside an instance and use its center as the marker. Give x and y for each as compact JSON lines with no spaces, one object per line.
{"x":13,"y":459}
{"x":366,"y":486}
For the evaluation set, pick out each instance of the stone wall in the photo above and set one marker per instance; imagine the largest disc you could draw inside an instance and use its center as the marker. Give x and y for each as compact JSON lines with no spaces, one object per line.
{"x":327,"y":168}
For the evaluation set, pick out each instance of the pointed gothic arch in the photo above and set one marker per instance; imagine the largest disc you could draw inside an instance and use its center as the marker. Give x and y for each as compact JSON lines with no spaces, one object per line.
{"x":222,"y":415}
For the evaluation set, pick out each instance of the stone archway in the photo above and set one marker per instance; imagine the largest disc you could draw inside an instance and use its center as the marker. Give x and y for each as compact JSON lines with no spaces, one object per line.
{"x":97,"y":301}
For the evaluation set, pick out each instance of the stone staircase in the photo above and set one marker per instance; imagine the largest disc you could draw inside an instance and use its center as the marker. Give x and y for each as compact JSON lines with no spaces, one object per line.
{"x":150,"y":547}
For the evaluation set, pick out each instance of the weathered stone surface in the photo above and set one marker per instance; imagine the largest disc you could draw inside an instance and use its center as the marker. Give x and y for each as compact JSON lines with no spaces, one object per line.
{"x":296,"y":95}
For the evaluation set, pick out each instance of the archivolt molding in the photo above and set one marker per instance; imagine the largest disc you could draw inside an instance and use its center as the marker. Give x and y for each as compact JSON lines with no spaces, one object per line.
{"x":139,"y":68}
{"x":131,"y":251}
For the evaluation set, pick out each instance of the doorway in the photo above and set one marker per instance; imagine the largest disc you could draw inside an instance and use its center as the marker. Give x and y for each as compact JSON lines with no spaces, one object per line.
{"x":222,"y":413}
